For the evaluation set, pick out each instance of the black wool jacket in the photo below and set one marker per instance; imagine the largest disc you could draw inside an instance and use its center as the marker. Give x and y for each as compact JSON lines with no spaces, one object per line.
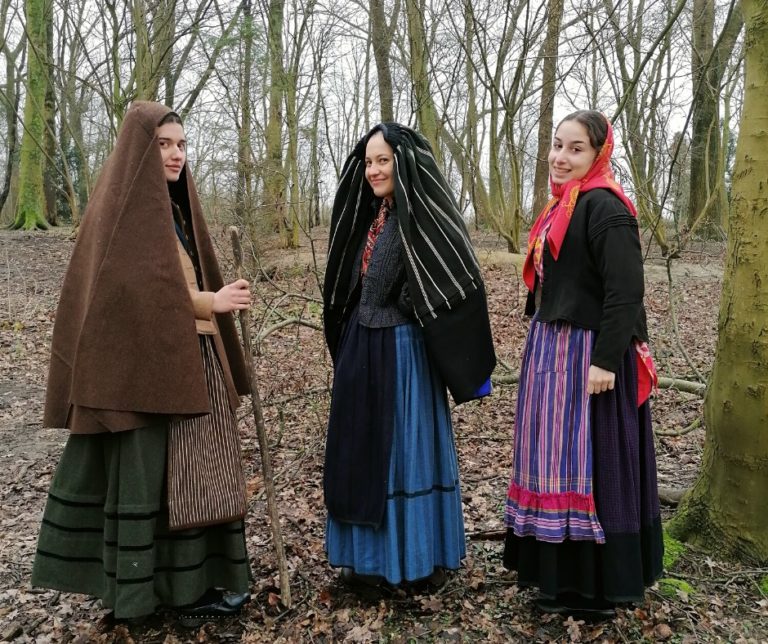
{"x":597,"y":281}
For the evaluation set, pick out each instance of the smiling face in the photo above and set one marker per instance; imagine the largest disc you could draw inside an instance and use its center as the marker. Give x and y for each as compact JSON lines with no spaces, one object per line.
{"x":572,"y":154}
{"x":173,"y":148}
{"x":379,"y":166}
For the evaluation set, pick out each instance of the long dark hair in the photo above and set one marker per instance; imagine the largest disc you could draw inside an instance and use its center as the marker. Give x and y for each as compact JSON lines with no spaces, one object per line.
{"x":594,"y":123}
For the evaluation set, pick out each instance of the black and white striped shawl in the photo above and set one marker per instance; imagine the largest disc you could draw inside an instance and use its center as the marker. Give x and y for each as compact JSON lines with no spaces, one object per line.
{"x":444,"y":278}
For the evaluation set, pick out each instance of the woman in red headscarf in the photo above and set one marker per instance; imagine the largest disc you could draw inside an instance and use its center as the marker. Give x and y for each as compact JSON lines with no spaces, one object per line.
{"x":582,"y":510}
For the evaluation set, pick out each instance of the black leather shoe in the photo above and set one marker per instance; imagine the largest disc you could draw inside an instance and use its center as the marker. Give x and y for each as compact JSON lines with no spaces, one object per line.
{"x":225,"y":605}
{"x":236,"y":600}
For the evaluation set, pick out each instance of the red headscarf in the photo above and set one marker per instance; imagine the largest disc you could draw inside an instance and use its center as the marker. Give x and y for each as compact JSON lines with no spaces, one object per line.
{"x":563,"y":201}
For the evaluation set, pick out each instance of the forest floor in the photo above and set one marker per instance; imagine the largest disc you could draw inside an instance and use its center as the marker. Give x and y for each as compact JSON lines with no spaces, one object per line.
{"x":718,"y":601}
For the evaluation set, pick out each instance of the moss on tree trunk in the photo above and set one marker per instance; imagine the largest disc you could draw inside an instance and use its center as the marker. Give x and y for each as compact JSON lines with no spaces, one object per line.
{"x":31,"y":206}
{"x":726,"y":510}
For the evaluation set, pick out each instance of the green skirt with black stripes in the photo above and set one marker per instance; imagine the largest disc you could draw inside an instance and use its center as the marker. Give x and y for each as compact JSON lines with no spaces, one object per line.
{"x":105,"y":530}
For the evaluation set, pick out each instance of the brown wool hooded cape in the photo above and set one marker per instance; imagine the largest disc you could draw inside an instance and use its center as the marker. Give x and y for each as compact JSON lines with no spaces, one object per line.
{"x":125,"y":347}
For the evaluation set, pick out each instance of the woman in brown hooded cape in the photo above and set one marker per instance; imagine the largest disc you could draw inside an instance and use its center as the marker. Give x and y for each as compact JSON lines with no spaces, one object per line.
{"x":145,"y":508}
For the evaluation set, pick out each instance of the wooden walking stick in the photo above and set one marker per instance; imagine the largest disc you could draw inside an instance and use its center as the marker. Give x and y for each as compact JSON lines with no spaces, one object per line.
{"x":258,"y":416}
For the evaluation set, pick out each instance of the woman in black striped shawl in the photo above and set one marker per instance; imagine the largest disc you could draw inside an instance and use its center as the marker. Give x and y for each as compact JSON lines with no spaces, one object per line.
{"x":405,"y":317}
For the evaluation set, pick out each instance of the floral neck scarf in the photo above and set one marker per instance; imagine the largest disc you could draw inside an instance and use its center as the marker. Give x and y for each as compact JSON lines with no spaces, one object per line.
{"x":373,"y":232}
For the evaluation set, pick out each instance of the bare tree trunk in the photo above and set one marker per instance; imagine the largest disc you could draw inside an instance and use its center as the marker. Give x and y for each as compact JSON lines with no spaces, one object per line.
{"x":143,"y":65}
{"x":273,"y":204}
{"x":31,"y":208}
{"x":681,"y":174}
{"x":13,"y":95}
{"x":546,"y":104}
{"x":292,"y":158}
{"x":513,"y":207}
{"x":165,"y":68}
{"x":292,"y":123}
{"x":313,"y":206}
{"x":313,"y":212}
{"x":725,"y":511}
{"x":73,"y":97}
{"x":381,"y":36}
{"x":65,"y":99}
{"x":426,"y":113}
{"x":474,"y":178}
{"x":50,"y":174}
{"x":114,"y":94}
{"x":154,"y":28}
{"x":708,"y":65}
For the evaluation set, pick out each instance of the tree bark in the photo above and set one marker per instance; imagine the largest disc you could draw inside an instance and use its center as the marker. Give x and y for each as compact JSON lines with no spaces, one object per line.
{"x":382,"y":40}
{"x":73,"y":99}
{"x":725,"y":511}
{"x":50,"y":175}
{"x":546,"y":104}
{"x":313,"y":212}
{"x":472,"y":166}
{"x":165,"y":69}
{"x":154,"y":28}
{"x":273,"y":203}
{"x":143,"y":61}
{"x":708,"y":65}
{"x":31,"y":208}
{"x":12,"y":94}
{"x":427,"y":120}
{"x":292,"y":123}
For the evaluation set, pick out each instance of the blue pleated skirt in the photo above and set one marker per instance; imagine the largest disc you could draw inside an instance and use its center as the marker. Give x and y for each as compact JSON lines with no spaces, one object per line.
{"x":423,"y":526}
